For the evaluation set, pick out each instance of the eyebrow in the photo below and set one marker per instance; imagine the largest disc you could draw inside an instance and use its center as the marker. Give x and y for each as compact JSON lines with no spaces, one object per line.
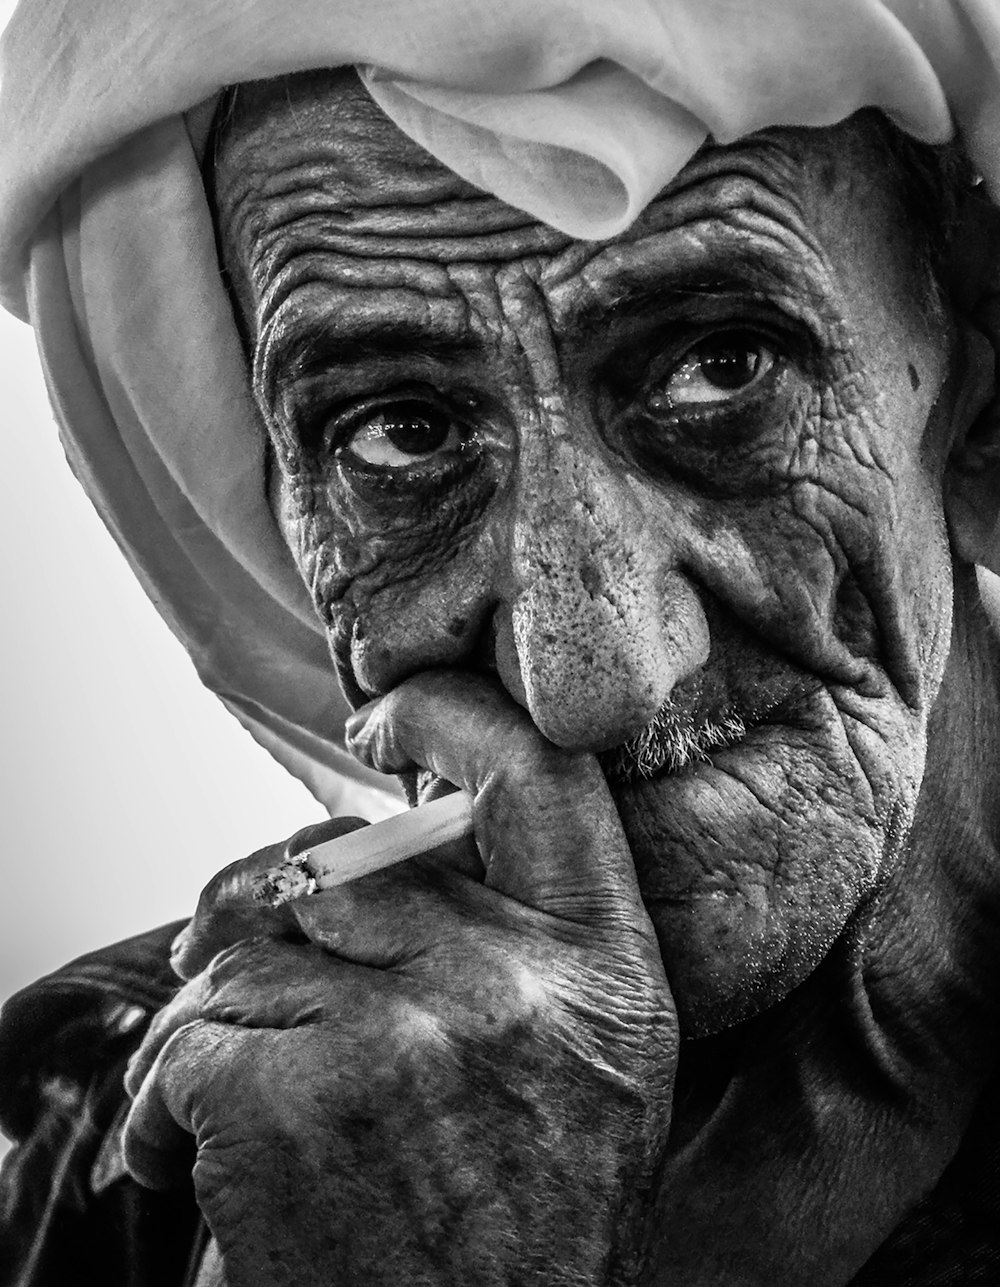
{"x":313,"y":350}
{"x":327,"y":344}
{"x":759,"y":274}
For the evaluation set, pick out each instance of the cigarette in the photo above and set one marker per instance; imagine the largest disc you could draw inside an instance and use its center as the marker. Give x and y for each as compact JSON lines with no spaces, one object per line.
{"x":346,"y":858}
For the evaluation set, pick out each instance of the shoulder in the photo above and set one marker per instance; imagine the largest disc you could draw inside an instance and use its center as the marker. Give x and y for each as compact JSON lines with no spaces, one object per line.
{"x":60,"y":1032}
{"x":69,"y":1212}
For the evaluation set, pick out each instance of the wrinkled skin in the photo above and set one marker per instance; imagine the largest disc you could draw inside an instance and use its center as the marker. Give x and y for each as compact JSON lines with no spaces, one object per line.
{"x":696,"y":478}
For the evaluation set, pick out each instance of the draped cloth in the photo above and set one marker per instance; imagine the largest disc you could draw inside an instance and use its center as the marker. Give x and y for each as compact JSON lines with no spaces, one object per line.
{"x":576,"y":111}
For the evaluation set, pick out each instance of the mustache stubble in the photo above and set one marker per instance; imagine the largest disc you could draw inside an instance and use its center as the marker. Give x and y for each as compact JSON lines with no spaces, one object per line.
{"x":673,"y":740}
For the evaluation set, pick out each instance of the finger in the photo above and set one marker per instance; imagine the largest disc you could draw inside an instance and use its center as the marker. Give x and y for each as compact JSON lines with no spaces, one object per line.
{"x":545,"y":822}
{"x":227,"y":910}
{"x":266,"y":983}
{"x":157,"y":1141}
{"x":204,"y":1054}
{"x":183,"y":1008}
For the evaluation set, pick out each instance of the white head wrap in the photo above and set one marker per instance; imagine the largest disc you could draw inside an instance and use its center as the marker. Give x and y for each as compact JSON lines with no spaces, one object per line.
{"x":577,"y":111}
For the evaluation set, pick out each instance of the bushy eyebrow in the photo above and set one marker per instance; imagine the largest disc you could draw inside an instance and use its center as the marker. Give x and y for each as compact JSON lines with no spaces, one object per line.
{"x":310,"y":351}
{"x":622,"y":298}
{"x":337,"y":343}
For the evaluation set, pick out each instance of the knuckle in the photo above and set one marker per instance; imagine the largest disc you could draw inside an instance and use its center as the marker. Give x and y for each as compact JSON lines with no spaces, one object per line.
{"x":237,"y":961}
{"x":183,"y":1041}
{"x":526,"y":995}
{"x":415,"y":1032}
{"x":515,"y":1003}
{"x":219,"y":890}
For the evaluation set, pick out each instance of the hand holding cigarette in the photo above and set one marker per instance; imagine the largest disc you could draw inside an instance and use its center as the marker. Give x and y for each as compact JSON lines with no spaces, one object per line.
{"x":361,"y":1062}
{"x":347,"y":858}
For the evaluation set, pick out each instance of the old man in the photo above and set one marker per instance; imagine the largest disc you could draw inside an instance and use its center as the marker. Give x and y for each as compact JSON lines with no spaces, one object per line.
{"x":661,"y":545}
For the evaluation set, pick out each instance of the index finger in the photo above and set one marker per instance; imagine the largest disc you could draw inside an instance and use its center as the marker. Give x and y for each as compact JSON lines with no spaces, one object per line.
{"x":227,"y":910}
{"x":545,"y":822}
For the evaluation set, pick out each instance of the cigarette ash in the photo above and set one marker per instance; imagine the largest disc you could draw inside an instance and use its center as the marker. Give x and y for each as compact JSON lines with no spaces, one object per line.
{"x":292,"y":878}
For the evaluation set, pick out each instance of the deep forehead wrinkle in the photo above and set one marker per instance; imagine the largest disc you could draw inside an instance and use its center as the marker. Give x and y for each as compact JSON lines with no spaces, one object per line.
{"x":399,"y":214}
{"x":724,"y":231}
{"x":314,"y":153}
{"x":317,"y":187}
{"x":757,"y":190}
{"x":705,"y":251}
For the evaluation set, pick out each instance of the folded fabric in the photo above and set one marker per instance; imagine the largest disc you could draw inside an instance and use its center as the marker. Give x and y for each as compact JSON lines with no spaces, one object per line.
{"x":577,"y":111}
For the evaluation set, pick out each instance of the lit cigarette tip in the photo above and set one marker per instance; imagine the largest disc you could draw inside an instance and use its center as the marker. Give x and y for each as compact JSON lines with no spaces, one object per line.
{"x":347,"y":858}
{"x":290,"y":879}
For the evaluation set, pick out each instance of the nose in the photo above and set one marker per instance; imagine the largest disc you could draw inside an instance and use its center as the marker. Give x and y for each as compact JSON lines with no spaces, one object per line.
{"x":600,"y":626}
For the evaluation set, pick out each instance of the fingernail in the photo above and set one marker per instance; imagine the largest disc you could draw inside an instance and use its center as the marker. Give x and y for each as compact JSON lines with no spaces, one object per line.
{"x":179,"y":946}
{"x":354,"y":726}
{"x":133,"y":1080}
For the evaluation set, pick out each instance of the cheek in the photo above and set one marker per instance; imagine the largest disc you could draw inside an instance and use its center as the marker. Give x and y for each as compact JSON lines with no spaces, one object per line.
{"x":752,"y":865}
{"x":400,"y":584}
{"x":925,"y":571}
{"x":437,"y":617}
{"x":838,"y":557}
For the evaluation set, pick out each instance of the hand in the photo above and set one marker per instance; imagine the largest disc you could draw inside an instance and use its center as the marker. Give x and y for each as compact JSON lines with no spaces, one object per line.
{"x":445,"y":1079}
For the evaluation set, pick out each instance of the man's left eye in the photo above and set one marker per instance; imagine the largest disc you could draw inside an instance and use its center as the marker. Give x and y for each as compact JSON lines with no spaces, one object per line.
{"x":717,"y":369}
{"x":405,"y":434}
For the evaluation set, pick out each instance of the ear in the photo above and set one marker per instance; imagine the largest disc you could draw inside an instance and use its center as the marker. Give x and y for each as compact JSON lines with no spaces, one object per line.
{"x":972,"y":478}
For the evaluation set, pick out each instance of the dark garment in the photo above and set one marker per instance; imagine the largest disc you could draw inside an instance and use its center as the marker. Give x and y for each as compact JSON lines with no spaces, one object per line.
{"x":69,"y":1213}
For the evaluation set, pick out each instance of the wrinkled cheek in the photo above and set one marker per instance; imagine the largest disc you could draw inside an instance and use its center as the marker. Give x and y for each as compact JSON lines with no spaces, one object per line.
{"x":751,"y":867}
{"x":730,"y":955}
{"x":387,"y":626}
{"x":926,"y":583}
{"x":400,"y":581}
{"x":399,"y":585}
{"x":823,"y":583}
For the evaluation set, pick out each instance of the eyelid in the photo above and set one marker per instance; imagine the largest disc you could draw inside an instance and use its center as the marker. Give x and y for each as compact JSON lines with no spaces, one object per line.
{"x":713,"y":414}
{"x":726,"y":398}
{"x":794,"y":345}
{"x":330,"y":423}
{"x":684,"y":342}
{"x":686,"y":440}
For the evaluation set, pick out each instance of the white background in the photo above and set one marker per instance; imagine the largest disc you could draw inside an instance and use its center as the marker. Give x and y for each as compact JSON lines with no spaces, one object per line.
{"x":123,"y":784}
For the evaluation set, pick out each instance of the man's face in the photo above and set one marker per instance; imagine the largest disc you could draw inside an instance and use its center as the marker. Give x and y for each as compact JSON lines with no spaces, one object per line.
{"x":681,"y":490}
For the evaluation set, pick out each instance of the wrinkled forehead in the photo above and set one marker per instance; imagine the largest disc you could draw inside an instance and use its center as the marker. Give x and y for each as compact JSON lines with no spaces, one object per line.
{"x":321,"y":131}
{"x":309,"y":164}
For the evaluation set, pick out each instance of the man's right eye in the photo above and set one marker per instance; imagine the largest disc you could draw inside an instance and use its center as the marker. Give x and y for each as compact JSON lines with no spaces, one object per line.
{"x":399,"y":435}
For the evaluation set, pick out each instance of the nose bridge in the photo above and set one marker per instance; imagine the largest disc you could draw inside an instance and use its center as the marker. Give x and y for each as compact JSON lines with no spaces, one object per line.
{"x":602,"y":626}
{"x":571,"y":512}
